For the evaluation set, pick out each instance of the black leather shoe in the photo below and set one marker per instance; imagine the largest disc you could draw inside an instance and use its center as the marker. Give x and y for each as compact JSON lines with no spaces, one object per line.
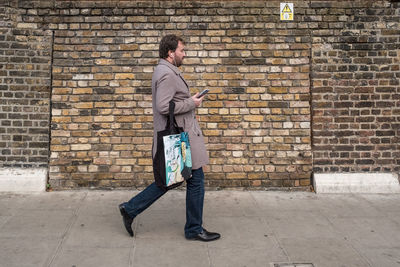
{"x":126,"y":219}
{"x":206,"y":236}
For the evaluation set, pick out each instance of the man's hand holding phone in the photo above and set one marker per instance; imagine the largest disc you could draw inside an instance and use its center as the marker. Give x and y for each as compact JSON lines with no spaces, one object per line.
{"x":198,"y":97}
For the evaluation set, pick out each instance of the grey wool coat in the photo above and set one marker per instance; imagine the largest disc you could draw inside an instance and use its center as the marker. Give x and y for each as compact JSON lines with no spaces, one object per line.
{"x":168,"y":83}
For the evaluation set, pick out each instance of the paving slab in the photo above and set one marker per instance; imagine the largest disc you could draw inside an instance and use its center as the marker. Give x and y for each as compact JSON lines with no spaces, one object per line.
{"x":37,"y":223}
{"x":241,"y":232}
{"x":26,"y":251}
{"x":4,"y":219}
{"x":346,"y":205}
{"x":11,"y":203}
{"x":98,"y":232}
{"x":394,"y":216}
{"x":170,"y":253}
{"x":239,"y":203}
{"x":104,"y":203}
{"x":54,"y":201}
{"x":370,"y":232}
{"x":307,"y":224}
{"x":285,"y":201}
{"x":259,"y":228}
{"x":383,"y":202}
{"x":158,"y":224}
{"x":389,"y":257}
{"x":89,"y":257}
{"x":324,"y":252}
{"x":249,"y":257}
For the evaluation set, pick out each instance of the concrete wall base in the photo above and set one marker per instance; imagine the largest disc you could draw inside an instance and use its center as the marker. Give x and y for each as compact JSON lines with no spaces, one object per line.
{"x":23,"y":179}
{"x":356,"y":183}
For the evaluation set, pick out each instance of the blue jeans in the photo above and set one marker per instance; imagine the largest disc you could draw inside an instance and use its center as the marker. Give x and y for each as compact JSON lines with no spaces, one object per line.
{"x":194,"y":202}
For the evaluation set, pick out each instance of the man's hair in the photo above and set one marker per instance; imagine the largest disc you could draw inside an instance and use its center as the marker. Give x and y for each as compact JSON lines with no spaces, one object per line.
{"x":168,"y":42}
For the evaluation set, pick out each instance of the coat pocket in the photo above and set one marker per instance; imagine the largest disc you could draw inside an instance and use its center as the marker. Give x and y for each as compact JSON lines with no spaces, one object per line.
{"x":189,"y":125}
{"x":195,"y":127}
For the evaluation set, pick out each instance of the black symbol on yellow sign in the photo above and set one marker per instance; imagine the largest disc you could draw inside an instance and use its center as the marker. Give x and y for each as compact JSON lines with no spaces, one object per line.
{"x":287,"y":9}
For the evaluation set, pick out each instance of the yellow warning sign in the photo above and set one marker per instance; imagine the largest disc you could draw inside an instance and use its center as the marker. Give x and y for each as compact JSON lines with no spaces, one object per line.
{"x":287,"y":12}
{"x":287,"y":9}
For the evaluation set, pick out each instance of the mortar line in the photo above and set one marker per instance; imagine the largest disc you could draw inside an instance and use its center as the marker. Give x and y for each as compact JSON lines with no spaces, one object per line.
{"x":343,"y":235}
{"x":272,"y":230}
{"x":132,"y":251}
{"x":50,"y":109}
{"x":65,"y":234}
{"x":386,"y":213}
{"x":311,"y":85}
{"x":208,"y":256}
{"x":131,"y":258}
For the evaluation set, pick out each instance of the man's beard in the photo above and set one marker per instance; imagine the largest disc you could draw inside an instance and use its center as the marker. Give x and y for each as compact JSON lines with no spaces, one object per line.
{"x":178,"y":62}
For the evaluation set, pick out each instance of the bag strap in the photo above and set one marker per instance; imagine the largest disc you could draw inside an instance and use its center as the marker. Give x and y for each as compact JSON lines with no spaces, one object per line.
{"x":171,"y":116}
{"x":171,"y":122}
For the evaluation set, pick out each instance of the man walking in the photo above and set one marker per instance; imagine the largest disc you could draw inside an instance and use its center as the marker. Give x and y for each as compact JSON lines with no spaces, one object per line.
{"x":168,"y":84}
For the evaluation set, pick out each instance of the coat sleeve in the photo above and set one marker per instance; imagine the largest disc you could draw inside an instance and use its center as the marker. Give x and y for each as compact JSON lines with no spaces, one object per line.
{"x":166,"y":90}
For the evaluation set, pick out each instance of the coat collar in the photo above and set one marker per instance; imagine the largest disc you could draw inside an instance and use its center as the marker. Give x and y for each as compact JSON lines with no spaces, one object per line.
{"x":172,"y":67}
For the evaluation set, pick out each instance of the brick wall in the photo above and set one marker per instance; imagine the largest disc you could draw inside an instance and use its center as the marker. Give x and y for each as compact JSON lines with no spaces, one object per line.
{"x":256,"y":119}
{"x":356,"y":87}
{"x":263,"y":74}
{"x":25,"y":56}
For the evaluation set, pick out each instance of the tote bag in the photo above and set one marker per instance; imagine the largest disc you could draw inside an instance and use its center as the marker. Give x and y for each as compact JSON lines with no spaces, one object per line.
{"x":172,"y":163}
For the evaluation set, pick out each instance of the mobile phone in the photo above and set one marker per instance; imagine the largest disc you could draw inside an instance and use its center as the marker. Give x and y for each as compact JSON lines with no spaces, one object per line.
{"x":205,"y":91}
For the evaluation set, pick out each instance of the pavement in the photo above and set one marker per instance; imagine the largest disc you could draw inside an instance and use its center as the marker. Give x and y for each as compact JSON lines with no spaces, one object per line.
{"x":258,"y":228}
